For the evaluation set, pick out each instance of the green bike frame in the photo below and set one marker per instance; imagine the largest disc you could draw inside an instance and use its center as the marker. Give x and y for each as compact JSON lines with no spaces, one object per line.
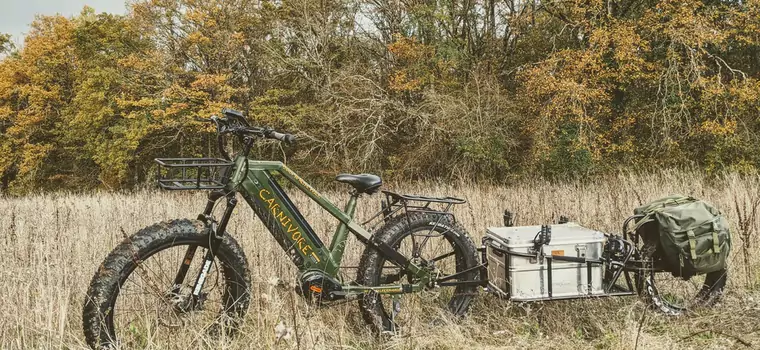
{"x":255,"y":181}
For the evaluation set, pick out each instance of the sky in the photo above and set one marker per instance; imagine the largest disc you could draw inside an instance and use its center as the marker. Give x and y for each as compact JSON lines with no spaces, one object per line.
{"x":16,"y":15}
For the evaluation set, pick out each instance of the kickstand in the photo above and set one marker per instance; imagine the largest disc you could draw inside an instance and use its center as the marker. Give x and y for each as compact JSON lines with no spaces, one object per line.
{"x":396,"y":310}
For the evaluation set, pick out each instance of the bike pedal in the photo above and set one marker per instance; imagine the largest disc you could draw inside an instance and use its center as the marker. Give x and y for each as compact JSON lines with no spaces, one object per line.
{"x":396,"y":306}
{"x":199,"y":303}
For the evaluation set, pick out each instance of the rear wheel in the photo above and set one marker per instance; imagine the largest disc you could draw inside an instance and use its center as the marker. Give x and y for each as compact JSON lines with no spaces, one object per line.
{"x":132,"y":302}
{"x":429,"y":241}
{"x":668,"y":292}
{"x":671,"y":294}
{"x":675,"y":296}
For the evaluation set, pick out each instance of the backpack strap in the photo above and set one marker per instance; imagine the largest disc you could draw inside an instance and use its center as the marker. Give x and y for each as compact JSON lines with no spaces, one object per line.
{"x":716,"y":240}
{"x":678,"y":201}
{"x":641,"y":221}
{"x":692,"y":244}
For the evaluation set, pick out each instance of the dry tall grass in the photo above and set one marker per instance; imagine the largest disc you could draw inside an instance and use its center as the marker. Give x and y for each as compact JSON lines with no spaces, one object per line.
{"x":52,"y":244}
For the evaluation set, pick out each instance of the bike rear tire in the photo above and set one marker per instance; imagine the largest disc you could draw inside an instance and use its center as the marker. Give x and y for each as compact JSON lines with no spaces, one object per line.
{"x":102,"y":295}
{"x":372,"y":263}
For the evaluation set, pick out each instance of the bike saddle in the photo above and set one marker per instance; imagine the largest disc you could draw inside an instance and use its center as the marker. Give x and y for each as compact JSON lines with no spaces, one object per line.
{"x":363,"y":183}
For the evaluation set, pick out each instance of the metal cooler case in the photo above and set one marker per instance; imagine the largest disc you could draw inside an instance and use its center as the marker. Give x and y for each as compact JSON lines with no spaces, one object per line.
{"x":523,"y":270}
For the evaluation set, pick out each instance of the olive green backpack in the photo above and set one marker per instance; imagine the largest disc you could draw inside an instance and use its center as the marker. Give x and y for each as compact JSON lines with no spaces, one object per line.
{"x":693,"y":236}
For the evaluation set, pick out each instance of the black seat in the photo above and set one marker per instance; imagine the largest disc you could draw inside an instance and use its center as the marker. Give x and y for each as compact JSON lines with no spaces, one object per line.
{"x":363,"y":183}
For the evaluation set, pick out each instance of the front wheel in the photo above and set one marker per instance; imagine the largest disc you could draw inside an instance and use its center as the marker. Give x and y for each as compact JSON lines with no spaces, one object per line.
{"x":430,"y":241}
{"x":132,"y":301}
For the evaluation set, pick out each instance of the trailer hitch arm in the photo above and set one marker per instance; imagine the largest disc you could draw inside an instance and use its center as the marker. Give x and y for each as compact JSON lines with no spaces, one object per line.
{"x":442,"y":281}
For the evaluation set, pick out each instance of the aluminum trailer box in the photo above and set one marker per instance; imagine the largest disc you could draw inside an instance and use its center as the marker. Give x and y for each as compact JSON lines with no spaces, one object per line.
{"x":523,"y":270}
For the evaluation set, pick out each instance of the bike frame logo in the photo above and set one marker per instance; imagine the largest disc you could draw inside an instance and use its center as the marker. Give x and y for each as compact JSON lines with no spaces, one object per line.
{"x":293,"y":231}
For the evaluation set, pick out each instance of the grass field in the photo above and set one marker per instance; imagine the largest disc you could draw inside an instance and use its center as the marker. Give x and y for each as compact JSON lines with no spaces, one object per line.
{"x":52,"y":245}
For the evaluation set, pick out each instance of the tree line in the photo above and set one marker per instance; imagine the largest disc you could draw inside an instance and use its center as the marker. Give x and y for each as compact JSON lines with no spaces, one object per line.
{"x":451,"y":89}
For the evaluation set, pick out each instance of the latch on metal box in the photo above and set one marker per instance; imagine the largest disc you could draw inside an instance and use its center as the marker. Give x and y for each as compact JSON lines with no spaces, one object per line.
{"x":581,"y":249}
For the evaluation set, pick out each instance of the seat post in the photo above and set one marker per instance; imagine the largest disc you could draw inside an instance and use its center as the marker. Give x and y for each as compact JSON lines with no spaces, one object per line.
{"x":338,"y":243}
{"x":350,"y":208}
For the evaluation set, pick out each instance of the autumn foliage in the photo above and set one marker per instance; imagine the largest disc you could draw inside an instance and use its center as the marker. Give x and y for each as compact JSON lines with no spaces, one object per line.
{"x":483,"y":90}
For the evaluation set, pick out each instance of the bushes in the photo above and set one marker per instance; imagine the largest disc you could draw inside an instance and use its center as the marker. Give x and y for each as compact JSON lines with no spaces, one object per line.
{"x":483,"y":91}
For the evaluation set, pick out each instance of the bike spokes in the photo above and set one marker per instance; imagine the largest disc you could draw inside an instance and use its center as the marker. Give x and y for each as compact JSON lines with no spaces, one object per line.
{"x":432,"y":251}
{"x":677,"y":293}
{"x":153,"y":308}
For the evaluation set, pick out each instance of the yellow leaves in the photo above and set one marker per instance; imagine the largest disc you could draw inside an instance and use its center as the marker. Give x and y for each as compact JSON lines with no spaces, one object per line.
{"x":32,"y":156}
{"x":685,"y":22}
{"x":139,"y":103}
{"x":195,"y":15}
{"x":197,"y":38}
{"x":138,"y":62}
{"x":209,"y":81}
{"x":201,"y":16}
{"x":176,"y":109}
{"x":238,"y":37}
{"x":49,"y":41}
{"x":624,"y":48}
{"x":716,"y":128}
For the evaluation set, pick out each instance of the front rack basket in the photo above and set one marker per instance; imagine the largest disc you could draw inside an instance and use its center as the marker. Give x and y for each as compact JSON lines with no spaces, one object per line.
{"x":192,"y":173}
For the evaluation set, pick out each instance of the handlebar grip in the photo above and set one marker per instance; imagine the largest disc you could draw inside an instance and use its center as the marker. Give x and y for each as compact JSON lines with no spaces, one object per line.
{"x":287,"y":138}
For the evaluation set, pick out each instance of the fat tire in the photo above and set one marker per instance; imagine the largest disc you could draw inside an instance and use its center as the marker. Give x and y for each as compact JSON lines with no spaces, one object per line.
{"x":392,"y":233}
{"x":119,"y":264}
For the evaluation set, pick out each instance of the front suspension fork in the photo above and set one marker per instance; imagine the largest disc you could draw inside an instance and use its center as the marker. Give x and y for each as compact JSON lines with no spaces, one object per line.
{"x":216,"y":234}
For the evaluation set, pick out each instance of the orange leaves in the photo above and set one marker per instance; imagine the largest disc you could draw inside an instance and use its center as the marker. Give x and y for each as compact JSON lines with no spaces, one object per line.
{"x":416,"y":65}
{"x":400,"y":81}
{"x":455,"y":91}
{"x":410,"y":50}
{"x":567,"y":85}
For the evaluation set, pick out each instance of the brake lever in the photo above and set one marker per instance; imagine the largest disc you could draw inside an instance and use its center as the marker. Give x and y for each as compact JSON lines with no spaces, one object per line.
{"x":221,"y":125}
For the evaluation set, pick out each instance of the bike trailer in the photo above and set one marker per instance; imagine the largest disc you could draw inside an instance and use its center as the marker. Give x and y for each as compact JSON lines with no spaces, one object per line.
{"x":528,"y":263}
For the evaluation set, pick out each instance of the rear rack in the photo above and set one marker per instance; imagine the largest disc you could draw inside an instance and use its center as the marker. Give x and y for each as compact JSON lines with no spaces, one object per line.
{"x":394,"y":198}
{"x":395,"y":203}
{"x":192,"y":173}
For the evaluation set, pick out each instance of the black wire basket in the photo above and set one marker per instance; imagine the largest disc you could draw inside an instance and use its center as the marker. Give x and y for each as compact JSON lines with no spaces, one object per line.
{"x":192,"y":173}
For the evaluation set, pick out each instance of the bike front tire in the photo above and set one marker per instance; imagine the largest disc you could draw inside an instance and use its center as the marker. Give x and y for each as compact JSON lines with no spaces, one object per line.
{"x":135,"y":261}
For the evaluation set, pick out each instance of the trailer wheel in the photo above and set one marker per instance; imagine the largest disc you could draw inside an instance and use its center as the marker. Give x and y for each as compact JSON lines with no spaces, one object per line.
{"x":675,"y":296}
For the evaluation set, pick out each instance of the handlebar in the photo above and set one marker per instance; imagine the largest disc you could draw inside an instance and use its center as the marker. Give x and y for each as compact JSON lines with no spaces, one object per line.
{"x":287,"y":138}
{"x":233,"y":122}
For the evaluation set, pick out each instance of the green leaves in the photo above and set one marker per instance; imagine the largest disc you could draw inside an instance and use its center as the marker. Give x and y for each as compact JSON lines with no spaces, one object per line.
{"x":479,"y":90}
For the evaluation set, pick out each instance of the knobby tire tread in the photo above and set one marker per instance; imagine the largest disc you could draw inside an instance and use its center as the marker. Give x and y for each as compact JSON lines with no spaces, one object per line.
{"x":371,"y":263}
{"x":116,"y":268}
